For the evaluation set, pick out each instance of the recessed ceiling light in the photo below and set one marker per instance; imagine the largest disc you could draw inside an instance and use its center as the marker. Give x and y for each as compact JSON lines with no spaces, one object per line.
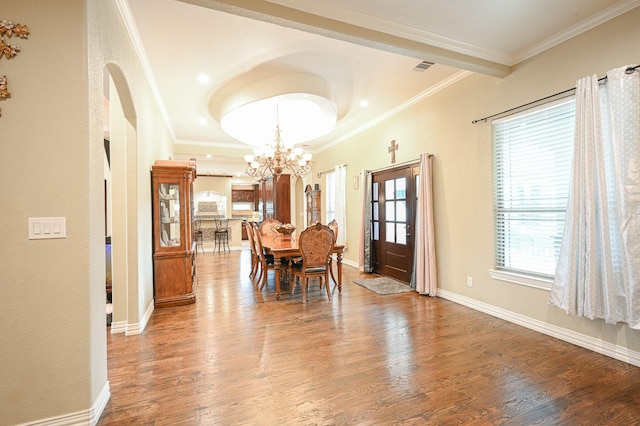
{"x":364,"y":103}
{"x":202,"y":121}
{"x":203,"y":78}
{"x":208,"y":155}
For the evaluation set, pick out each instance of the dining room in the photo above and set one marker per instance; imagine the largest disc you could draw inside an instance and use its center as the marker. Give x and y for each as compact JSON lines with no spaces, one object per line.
{"x":238,"y":354}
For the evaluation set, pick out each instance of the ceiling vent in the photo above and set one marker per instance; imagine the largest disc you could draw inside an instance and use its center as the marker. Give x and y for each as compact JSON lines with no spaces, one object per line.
{"x":423,"y":66}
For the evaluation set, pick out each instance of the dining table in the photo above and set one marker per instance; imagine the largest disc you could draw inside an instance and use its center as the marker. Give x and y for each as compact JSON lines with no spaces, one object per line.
{"x":286,"y":246}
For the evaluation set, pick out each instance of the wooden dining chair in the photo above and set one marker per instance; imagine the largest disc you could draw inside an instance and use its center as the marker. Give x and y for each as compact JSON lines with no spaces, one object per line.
{"x":266,"y":227}
{"x":315,"y":243}
{"x":254,"y":256}
{"x":264,"y":263}
{"x":333,"y":225}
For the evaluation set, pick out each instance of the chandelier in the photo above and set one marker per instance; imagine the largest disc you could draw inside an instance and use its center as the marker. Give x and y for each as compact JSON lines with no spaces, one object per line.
{"x":274,"y":158}
{"x":300,"y":104}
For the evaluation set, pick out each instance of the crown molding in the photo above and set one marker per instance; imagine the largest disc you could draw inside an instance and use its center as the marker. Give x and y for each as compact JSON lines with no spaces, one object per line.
{"x":138,"y":47}
{"x":410,"y":102}
{"x":585,"y":25}
{"x":353,"y":17}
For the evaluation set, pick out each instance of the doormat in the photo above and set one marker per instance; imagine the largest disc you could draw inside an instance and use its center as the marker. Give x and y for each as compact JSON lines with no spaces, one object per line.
{"x":384,"y":285}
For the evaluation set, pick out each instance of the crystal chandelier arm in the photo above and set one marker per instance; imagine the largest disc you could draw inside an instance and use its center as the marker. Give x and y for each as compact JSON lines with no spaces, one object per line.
{"x":301,"y":171}
{"x":275,"y":158}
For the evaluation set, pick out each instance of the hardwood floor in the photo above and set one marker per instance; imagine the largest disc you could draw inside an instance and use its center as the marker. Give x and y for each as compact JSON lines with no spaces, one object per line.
{"x":239,"y":357}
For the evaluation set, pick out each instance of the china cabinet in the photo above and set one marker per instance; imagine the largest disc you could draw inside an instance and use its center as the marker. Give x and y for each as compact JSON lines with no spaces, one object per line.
{"x":313,"y":205}
{"x":174,"y":277}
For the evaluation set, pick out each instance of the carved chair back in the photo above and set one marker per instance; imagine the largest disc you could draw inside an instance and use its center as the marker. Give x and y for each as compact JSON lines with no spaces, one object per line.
{"x":316,"y":243}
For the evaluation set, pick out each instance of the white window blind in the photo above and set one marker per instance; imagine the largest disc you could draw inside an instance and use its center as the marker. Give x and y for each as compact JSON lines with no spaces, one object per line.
{"x":532,"y":161}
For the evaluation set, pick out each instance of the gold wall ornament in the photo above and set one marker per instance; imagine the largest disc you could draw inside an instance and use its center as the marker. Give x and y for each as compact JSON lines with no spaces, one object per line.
{"x":9,"y":28}
{"x":4,"y":92}
{"x":9,"y":50}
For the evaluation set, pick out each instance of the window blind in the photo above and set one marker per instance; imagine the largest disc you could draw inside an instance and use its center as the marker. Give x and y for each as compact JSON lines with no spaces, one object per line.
{"x":532,"y":162}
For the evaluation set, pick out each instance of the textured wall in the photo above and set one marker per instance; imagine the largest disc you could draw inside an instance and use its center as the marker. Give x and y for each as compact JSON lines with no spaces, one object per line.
{"x":52,"y":332}
{"x":441,"y":125}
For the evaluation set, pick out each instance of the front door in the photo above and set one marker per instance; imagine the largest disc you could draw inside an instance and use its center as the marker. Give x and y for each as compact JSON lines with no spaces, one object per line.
{"x":393,"y":218}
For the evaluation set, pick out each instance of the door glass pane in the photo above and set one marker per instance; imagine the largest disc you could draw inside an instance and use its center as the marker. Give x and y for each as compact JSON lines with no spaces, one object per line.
{"x":401,"y":188}
{"x":401,"y":236}
{"x":391,"y":232}
{"x":374,"y":211}
{"x":401,"y":211}
{"x":389,"y":190}
{"x":375,"y":191}
{"x":376,"y":231}
{"x":390,"y":211}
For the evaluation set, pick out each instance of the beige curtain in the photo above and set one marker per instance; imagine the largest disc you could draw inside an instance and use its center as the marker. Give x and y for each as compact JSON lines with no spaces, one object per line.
{"x":365,"y":261}
{"x":425,"y":273}
{"x":341,"y":203}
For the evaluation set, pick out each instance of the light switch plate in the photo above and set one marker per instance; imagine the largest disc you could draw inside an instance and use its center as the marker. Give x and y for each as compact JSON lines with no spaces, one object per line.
{"x":47,"y":227}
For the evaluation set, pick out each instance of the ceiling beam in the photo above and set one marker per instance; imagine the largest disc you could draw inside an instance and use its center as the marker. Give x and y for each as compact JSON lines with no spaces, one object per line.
{"x":288,"y":17}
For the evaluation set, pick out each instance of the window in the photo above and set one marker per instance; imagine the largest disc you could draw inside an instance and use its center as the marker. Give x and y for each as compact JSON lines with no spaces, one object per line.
{"x":330,"y":191}
{"x":532,"y":162}
{"x":395,"y":201}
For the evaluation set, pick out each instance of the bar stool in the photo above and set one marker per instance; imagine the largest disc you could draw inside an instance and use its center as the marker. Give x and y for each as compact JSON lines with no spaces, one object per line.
{"x":198,"y":235}
{"x":221,"y":235}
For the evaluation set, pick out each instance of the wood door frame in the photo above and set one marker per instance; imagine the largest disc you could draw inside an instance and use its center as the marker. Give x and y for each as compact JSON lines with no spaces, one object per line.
{"x":404,"y":273}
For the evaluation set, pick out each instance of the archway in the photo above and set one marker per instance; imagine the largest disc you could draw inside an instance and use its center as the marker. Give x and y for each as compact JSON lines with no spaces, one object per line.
{"x":121,"y":188}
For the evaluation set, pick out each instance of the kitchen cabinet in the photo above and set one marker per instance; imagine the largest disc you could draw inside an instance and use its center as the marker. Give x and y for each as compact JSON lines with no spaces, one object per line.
{"x":275,"y":198}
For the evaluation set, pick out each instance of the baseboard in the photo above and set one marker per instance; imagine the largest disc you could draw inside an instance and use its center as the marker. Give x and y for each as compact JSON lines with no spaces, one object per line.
{"x":138,"y":328}
{"x":350,"y":263}
{"x":614,"y":351}
{"x":133,"y":328}
{"x":100,"y":404}
{"x":118,"y":327}
{"x":79,"y":418}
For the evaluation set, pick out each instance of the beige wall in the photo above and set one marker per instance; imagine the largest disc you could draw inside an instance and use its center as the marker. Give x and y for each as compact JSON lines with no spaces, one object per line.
{"x":53,"y":333}
{"x":47,"y":353}
{"x":441,"y":125}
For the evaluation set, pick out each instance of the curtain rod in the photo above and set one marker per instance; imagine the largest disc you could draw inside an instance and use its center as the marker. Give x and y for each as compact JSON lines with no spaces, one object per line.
{"x":331,"y":170}
{"x":629,"y":70}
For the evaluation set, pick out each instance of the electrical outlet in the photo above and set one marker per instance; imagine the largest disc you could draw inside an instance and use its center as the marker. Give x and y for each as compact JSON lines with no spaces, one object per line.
{"x":469,"y":282}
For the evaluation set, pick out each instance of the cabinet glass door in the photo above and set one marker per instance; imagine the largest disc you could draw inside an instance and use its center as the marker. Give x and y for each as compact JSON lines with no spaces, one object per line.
{"x":169,"y":208}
